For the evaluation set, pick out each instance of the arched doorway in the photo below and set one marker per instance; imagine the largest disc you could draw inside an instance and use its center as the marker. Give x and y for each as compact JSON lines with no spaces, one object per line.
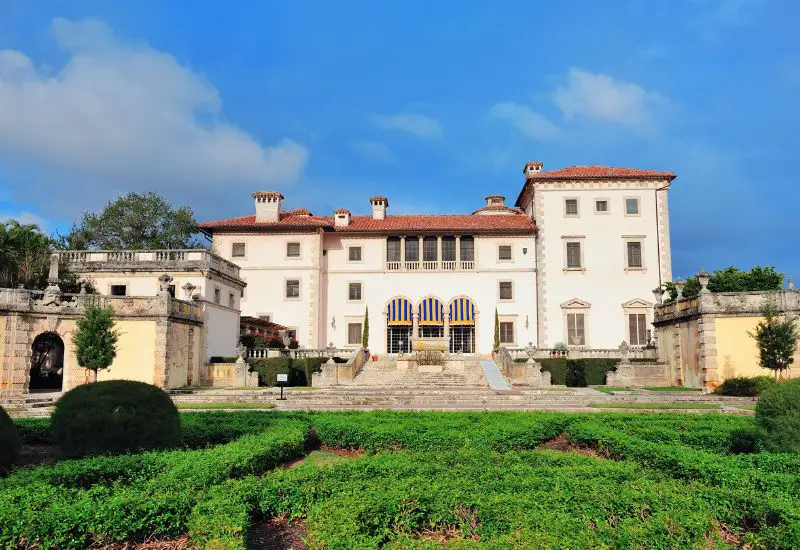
{"x":431,"y":318}
{"x":462,"y":325}
{"x":399,"y":323}
{"x":47,"y":363}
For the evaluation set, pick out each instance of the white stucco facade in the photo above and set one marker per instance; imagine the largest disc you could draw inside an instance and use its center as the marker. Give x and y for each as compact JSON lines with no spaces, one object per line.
{"x":621,"y":256}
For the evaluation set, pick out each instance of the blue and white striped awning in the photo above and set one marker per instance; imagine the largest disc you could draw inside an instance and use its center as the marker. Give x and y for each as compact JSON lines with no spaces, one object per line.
{"x":399,"y":312}
{"x":431,"y":312}
{"x":462,"y":312}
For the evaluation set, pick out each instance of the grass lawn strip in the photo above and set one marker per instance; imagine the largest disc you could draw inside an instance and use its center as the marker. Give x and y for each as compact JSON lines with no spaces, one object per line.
{"x":224,"y":405}
{"x":652,"y":406}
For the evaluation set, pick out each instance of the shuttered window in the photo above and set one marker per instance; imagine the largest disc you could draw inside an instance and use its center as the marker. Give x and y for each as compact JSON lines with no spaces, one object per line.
{"x":575,"y":329}
{"x":637,"y":329}
{"x":571,"y":207}
{"x":634,"y":254}
{"x":293,"y":288}
{"x":354,"y":254}
{"x":354,"y":333}
{"x":354,"y":292}
{"x":574,"y":255}
{"x":506,"y":290}
{"x":504,"y":252}
{"x":292,"y":250}
{"x":238,"y":250}
{"x":506,"y":332}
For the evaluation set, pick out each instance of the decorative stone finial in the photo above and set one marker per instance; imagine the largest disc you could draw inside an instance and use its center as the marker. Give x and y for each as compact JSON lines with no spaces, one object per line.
{"x":679,"y":284}
{"x":790,"y":284}
{"x":703,"y":278}
{"x":241,"y":351}
{"x":530,"y":350}
{"x":163,"y":283}
{"x":188,"y":290}
{"x":624,"y":350}
{"x":658,"y":292}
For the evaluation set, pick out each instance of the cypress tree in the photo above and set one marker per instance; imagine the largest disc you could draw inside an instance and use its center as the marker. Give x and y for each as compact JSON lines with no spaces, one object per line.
{"x":96,"y":340}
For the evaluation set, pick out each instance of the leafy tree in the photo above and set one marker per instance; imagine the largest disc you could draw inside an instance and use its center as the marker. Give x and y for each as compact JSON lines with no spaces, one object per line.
{"x":732,"y":279}
{"x":96,"y":339}
{"x":365,"y":330}
{"x":135,"y":221}
{"x":496,"y":330}
{"x":776,"y":338}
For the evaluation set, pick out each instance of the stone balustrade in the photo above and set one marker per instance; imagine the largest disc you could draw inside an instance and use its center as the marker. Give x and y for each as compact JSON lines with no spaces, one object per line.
{"x":583,"y":353}
{"x":167,"y":260}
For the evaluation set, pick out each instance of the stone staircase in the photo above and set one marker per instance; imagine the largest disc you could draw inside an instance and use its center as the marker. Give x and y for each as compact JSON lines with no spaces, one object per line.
{"x":384,"y":374}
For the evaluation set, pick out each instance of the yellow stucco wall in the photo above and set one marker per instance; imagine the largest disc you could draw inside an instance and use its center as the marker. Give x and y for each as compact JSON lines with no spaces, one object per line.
{"x":135,"y":352}
{"x":737,"y":352}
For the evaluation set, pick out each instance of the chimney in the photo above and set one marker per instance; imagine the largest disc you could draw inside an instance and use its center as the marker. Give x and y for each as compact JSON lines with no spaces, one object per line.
{"x":495,"y":200}
{"x":379,"y":206}
{"x":268,"y":206}
{"x":532,"y":168}
{"x":341,"y":217}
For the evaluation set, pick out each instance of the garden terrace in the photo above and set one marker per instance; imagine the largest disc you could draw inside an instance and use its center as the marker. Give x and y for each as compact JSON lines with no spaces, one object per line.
{"x":411,"y":479}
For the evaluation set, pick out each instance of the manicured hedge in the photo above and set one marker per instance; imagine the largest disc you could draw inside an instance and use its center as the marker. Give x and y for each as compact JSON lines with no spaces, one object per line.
{"x":299,"y":370}
{"x":9,"y":441}
{"x":743,"y":386}
{"x":595,"y":369}
{"x":778,"y":415}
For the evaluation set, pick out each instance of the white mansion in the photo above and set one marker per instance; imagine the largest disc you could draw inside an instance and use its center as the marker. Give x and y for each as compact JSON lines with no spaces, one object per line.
{"x":574,"y":261}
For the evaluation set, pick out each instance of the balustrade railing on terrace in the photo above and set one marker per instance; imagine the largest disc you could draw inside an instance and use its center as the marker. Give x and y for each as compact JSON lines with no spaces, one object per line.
{"x":197,"y":255}
{"x":264,"y":353}
{"x":634,"y":352}
{"x":449,"y":265}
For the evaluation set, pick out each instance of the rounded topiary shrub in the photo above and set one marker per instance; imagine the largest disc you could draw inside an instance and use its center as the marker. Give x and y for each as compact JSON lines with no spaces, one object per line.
{"x":9,"y":441}
{"x":742,"y":386}
{"x":778,"y":415}
{"x":115,"y":417}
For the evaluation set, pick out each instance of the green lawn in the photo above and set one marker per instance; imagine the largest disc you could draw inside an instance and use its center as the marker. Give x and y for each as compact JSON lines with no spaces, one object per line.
{"x":419,"y":480}
{"x":654,"y":405}
{"x":672,"y":388}
{"x":747,"y":407}
{"x":611,"y":389}
{"x":224,"y":405}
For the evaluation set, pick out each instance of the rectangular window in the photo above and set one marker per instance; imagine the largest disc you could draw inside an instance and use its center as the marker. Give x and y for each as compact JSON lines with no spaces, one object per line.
{"x":601,"y":206}
{"x":467,"y":249}
{"x":354,"y":333}
{"x":574,"y":255}
{"x":217,"y":296}
{"x":507,"y":332}
{"x":637,"y":329}
{"x":506,"y":290}
{"x":429,"y":249}
{"x":448,"y":249}
{"x":632,"y":207}
{"x":354,"y":292}
{"x":238,"y":250}
{"x":571,"y":207}
{"x":293,"y":288}
{"x":504,"y":252}
{"x":292,"y":250}
{"x":634,"y":254}
{"x":412,"y":249}
{"x":119,"y":290}
{"x":171,"y":290}
{"x":393,"y":249}
{"x":354,"y":253}
{"x":231,"y":300}
{"x":575,"y":329}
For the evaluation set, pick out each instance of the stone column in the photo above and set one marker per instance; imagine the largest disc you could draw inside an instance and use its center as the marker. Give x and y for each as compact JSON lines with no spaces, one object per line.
{"x":420,"y":249}
{"x":402,"y":251}
{"x":458,"y":251}
{"x":439,"y":249}
{"x":415,"y":325}
{"x":446,"y":319}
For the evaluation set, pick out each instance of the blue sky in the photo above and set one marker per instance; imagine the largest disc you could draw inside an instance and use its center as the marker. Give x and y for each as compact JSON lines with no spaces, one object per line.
{"x":434,"y":104}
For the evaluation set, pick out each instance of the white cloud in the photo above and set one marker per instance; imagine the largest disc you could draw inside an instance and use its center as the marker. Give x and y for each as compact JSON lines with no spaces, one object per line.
{"x":417,"y":124}
{"x":602,"y":97}
{"x":374,"y":150}
{"x":526,"y":120}
{"x":24,"y":218}
{"x":128,"y":117}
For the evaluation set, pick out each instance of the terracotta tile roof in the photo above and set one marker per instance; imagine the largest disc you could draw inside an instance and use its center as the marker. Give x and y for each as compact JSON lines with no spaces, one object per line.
{"x":518,"y":223}
{"x":341,"y":211}
{"x":300,"y":212}
{"x":498,"y":208}
{"x":601,"y":172}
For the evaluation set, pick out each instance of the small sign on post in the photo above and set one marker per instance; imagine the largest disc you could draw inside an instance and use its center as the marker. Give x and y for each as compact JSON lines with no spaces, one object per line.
{"x":283,"y":379}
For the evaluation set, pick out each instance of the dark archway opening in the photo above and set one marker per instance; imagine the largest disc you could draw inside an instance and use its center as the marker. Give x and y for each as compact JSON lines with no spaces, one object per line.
{"x":47,"y":363}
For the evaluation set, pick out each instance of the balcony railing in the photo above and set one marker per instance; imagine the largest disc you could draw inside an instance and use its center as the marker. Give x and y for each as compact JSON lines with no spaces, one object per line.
{"x":448,"y":265}
{"x":149,"y":259}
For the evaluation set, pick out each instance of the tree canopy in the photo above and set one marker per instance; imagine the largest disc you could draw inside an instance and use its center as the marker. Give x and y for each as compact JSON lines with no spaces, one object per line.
{"x":135,"y":221}
{"x":24,"y":255}
{"x":732,"y":279}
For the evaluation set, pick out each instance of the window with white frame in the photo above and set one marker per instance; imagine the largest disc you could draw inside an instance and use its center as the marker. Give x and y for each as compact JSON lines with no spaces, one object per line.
{"x":631,"y":206}
{"x":354,"y":292}
{"x":507,"y":332}
{"x":506,"y":290}
{"x":238,"y":250}
{"x":354,"y":253}
{"x":353,"y":333}
{"x":293,"y":288}
{"x":570,"y":207}
{"x":601,"y":206}
{"x":504,"y":253}
{"x":576,"y":329}
{"x":574,"y":256}
{"x":293,"y":250}
{"x":637,"y":329}
{"x":633,"y":253}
